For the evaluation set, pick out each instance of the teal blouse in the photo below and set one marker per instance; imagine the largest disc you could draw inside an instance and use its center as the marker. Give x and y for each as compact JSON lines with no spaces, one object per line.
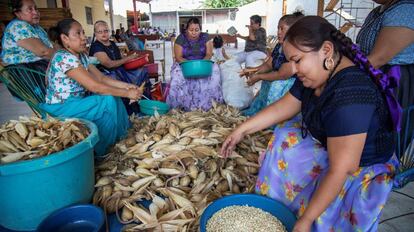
{"x":18,"y":30}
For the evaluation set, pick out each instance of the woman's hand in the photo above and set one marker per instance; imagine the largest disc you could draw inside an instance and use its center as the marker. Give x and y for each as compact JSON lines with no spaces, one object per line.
{"x":248,"y":71}
{"x":132,"y":56}
{"x":302,"y":225}
{"x":134,"y":94}
{"x":253,"y":79}
{"x":230,"y":143}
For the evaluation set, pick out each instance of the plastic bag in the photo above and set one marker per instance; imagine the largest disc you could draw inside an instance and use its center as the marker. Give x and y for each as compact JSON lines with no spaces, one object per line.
{"x":235,"y":90}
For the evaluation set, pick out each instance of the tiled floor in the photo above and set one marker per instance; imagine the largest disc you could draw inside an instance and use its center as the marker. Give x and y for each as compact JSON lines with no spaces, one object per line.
{"x":397,"y":204}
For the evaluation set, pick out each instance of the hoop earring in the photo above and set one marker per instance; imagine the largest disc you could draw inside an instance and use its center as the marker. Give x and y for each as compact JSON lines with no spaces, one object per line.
{"x":328,"y":63}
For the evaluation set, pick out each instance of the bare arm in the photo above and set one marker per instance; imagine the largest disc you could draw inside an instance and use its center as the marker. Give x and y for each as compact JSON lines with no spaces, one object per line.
{"x":108,"y":63}
{"x":223,"y":51}
{"x":287,"y":107}
{"x":263,"y":68}
{"x":390,"y":42}
{"x":344,"y":154}
{"x":285,"y":71}
{"x":93,"y":84}
{"x":36,"y":46}
{"x":178,"y":53}
{"x":209,"y":50}
{"x":242,"y":37}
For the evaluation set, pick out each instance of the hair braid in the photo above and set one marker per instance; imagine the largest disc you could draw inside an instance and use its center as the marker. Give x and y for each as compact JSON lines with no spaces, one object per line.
{"x":352,"y":51}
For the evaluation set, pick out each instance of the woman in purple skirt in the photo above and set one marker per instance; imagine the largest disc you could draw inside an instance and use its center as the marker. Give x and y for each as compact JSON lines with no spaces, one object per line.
{"x":333,"y":167}
{"x":192,"y":94}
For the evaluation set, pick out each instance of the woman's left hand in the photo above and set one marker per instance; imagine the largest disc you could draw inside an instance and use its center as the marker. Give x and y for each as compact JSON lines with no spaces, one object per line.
{"x":131,"y":86}
{"x":253,"y":79}
{"x":302,"y":225}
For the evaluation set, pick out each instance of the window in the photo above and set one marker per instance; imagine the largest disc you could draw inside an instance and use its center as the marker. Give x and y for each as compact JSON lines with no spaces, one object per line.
{"x":89,"y":19}
{"x":51,"y":4}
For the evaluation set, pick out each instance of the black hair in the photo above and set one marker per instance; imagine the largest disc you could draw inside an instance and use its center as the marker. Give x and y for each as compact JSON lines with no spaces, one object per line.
{"x":16,"y":6}
{"x":193,"y":20}
{"x":290,"y":19}
{"x":256,"y":19}
{"x":218,"y":41}
{"x":312,"y":31}
{"x":63,"y":27}
{"x":53,"y":34}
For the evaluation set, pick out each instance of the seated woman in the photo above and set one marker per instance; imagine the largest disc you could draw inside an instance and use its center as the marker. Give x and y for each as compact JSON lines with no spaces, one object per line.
{"x":335,"y":171}
{"x":111,"y":62}
{"x":70,"y":79}
{"x":255,"y":50}
{"x":191,"y":94}
{"x":275,"y":73}
{"x":24,"y":40}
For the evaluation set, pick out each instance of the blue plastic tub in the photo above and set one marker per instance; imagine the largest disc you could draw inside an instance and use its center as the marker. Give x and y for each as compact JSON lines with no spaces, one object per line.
{"x":31,"y":190}
{"x":193,"y":69}
{"x":269,"y":205}
{"x":86,"y":218}
{"x":148,"y":107}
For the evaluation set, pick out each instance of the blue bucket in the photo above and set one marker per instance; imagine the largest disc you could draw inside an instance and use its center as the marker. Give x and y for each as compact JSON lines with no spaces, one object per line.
{"x":266,"y":204}
{"x":87,"y":218}
{"x":148,"y":107}
{"x":31,"y":190}
{"x":193,"y":69}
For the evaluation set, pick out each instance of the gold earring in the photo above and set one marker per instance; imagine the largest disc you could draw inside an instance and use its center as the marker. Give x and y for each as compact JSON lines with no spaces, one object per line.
{"x":328,"y":63}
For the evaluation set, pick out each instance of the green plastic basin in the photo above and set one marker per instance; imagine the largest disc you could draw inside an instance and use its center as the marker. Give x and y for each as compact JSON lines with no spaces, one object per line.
{"x":193,"y":69}
{"x":148,"y":107}
{"x":31,"y":190}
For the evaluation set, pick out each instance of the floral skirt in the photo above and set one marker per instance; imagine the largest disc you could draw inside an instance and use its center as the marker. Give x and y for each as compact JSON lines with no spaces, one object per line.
{"x":293,"y":168}
{"x":192,"y":94}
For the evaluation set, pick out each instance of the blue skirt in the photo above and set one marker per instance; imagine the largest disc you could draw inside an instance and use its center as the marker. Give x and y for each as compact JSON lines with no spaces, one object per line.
{"x":107,"y":112}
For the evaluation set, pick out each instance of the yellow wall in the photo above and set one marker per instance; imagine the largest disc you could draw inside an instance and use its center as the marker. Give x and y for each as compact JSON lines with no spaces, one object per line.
{"x":77,"y":8}
{"x":41,"y":3}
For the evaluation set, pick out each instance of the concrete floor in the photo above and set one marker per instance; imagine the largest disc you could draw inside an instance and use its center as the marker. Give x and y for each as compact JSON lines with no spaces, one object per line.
{"x":397,"y":204}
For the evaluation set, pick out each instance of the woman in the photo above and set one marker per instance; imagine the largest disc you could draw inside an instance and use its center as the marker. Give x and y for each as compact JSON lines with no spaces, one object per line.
{"x":278,"y":81}
{"x":255,"y":50}
{"x":387,"y":37}
{"x":192,"y":94}
{"x":335,"y":170}
{"x":111,"y":62}
{"x":24,"y":40}
{"x":71,"y":76}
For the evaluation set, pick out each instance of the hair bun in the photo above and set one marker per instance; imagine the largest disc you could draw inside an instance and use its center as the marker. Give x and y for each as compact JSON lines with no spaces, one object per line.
{"x":298,"y":13}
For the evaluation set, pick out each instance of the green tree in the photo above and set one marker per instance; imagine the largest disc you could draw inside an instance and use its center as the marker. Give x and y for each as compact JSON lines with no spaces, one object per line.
{"x":226,"y":3}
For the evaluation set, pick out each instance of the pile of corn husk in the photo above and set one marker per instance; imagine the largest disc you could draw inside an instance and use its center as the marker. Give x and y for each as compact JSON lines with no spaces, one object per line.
{"x":29,"y":138}
{"x":176,"y":156}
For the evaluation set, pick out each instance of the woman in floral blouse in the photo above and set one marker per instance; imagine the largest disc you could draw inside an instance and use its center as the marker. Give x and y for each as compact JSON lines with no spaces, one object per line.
{"x":71,"y":77}
{"x":24,"y":40}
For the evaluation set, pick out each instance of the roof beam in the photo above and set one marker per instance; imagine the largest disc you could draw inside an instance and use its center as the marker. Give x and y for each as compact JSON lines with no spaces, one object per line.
{"x":331,"y":5}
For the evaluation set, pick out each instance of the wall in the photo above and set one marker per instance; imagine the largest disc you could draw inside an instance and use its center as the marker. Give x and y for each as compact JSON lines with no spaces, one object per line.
{"x":77,"y":7}
{"x":270,"y":10}
{"x":119,"y":19}
{"x":166,"y":20}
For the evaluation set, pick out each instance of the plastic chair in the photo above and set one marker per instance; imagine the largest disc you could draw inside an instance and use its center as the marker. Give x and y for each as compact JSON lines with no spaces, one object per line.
{"x":27,"y":84}
{"x":406,"y":157}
